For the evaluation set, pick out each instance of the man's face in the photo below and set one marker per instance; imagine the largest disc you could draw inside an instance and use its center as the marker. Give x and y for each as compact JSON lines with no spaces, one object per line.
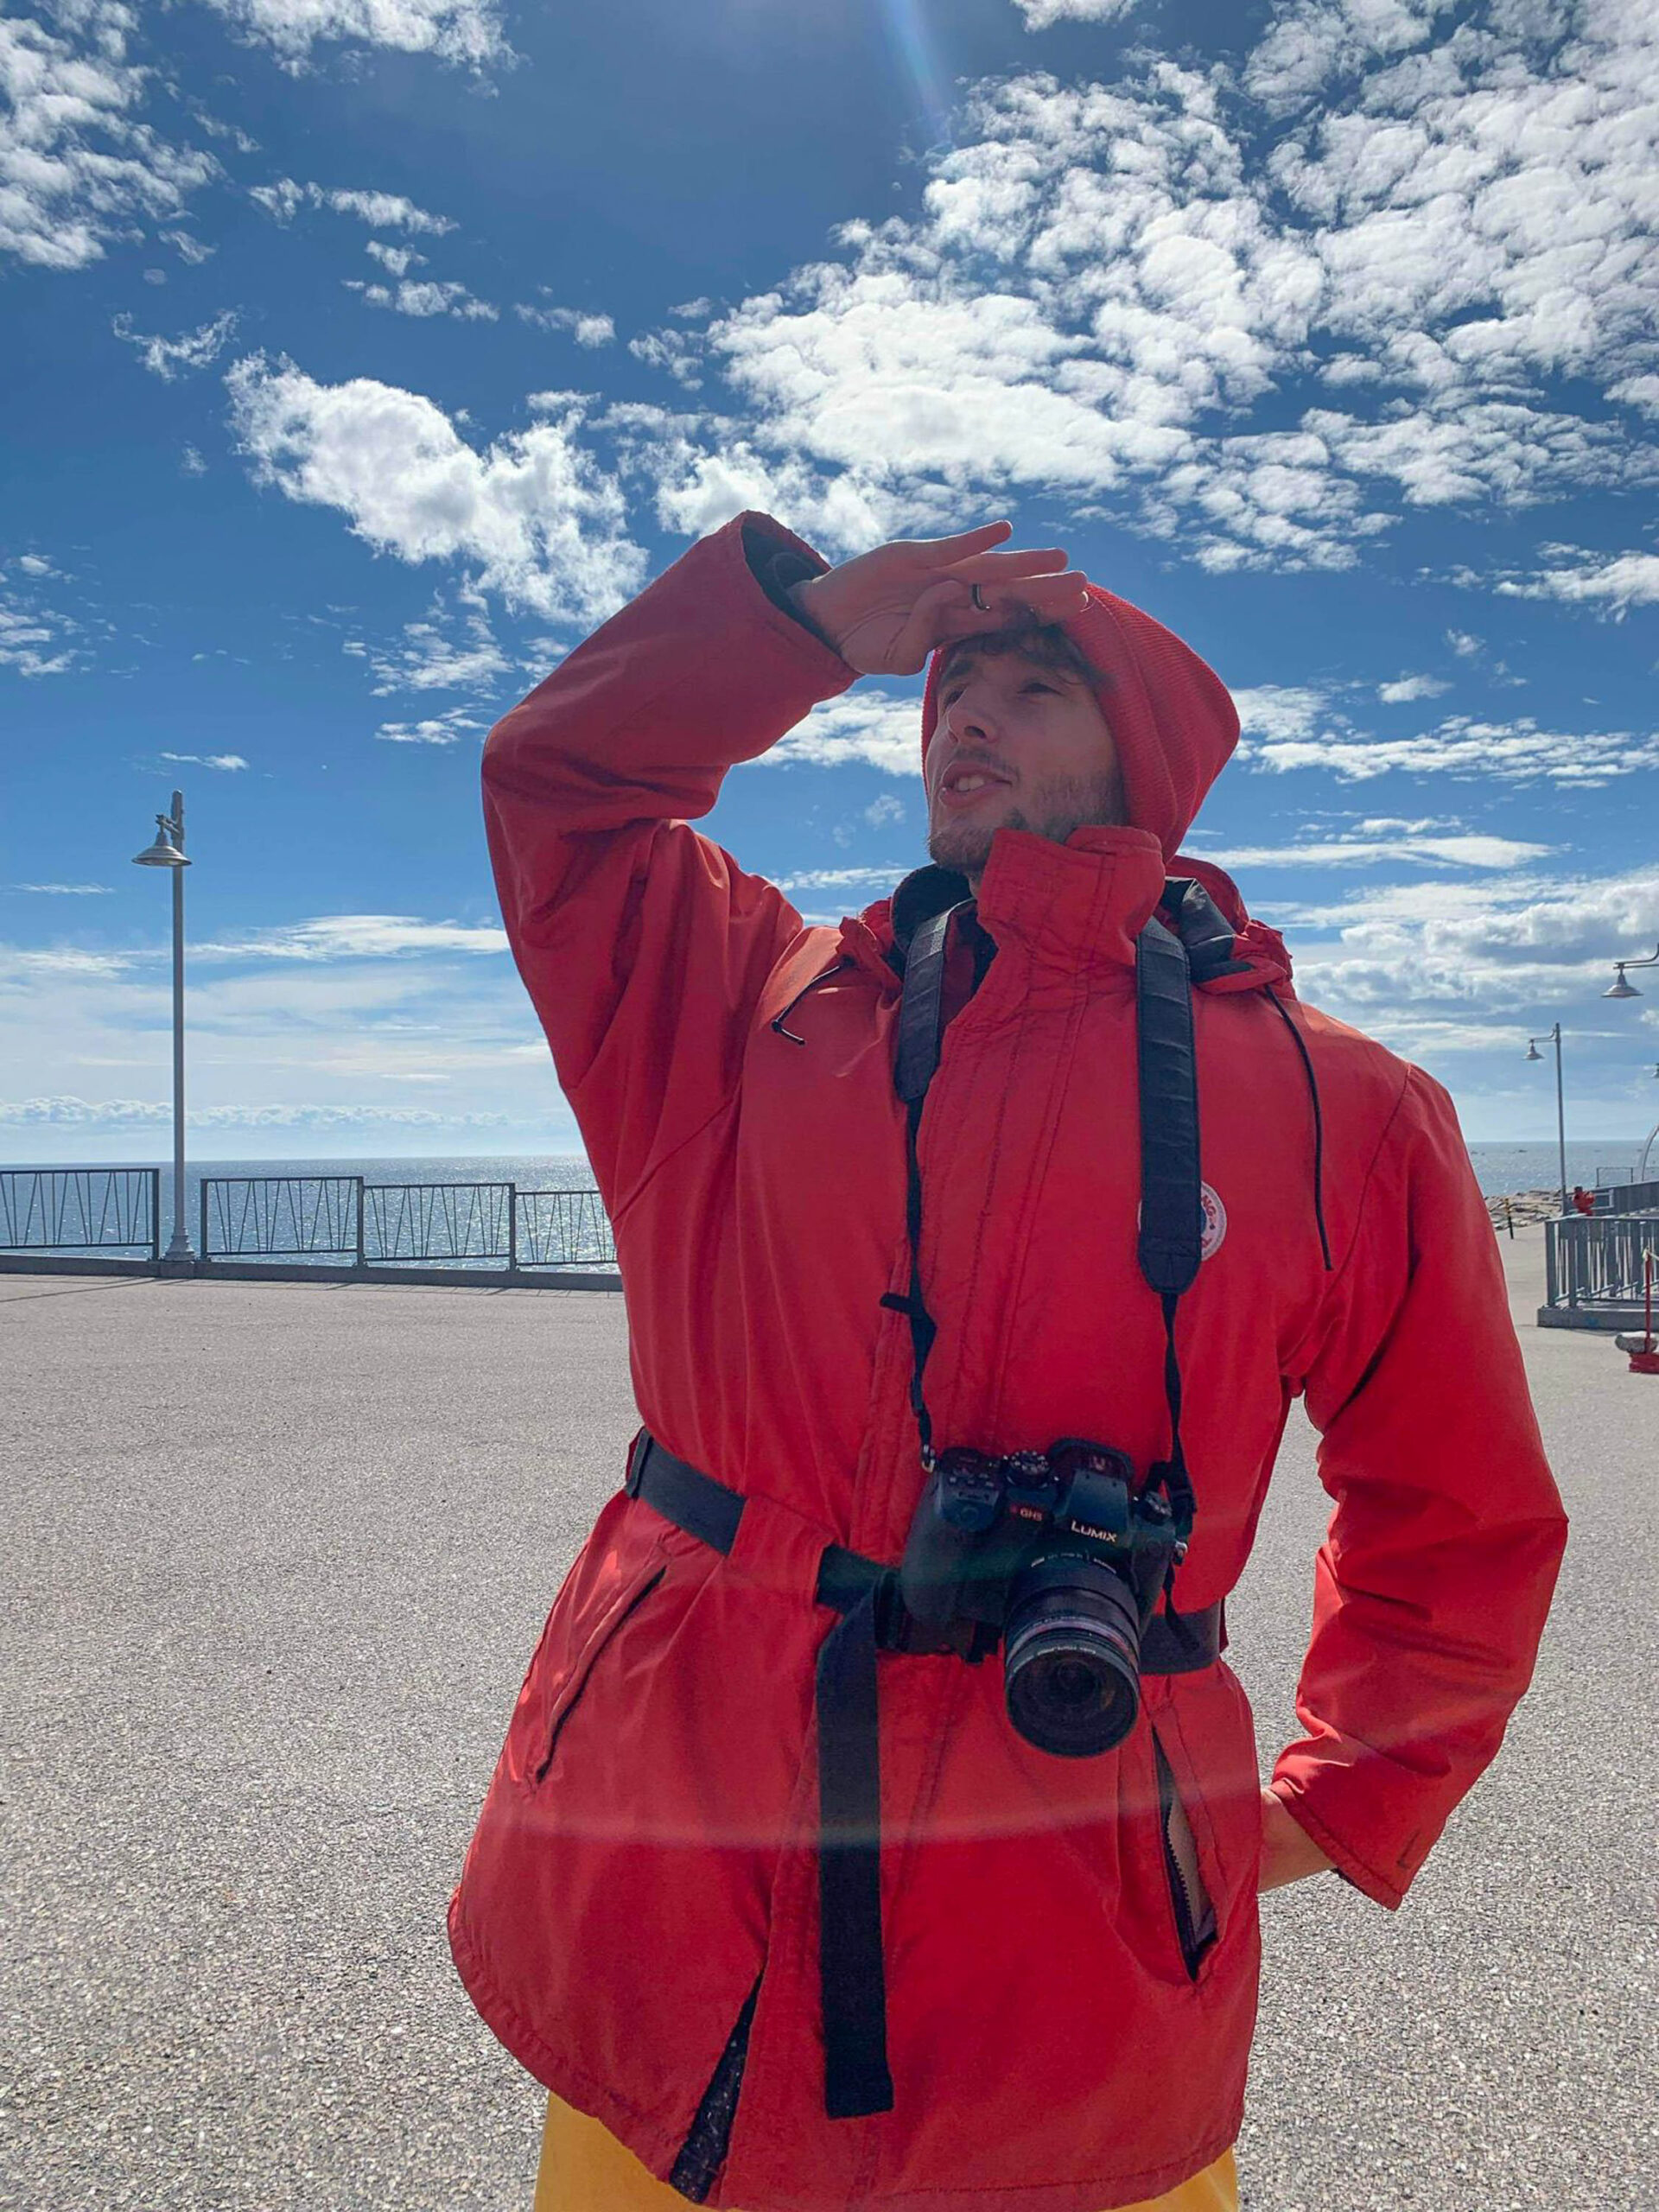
{"x":1018,"y":746}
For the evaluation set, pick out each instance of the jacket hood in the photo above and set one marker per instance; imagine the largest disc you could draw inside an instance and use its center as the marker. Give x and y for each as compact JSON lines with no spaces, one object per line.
{"x":1170,"y":716}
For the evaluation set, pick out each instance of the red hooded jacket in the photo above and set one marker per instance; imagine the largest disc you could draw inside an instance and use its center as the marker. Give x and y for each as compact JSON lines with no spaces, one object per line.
{"x":646,"y":1858}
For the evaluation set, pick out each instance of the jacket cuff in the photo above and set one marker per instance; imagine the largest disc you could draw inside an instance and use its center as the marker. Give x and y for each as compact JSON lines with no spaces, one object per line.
{"x":1297,"y":1787}
{"x":777,"y":561}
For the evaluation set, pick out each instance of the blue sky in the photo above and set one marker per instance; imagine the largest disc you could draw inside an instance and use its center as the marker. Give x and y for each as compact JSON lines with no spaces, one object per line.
{"x":363,"y":355}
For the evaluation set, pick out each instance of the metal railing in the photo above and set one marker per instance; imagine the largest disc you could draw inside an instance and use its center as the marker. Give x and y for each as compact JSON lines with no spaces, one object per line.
{"x":1627,"y":1197}
{"x":282,"y":1217}
{"x":563,"y":1229}
{"x":1596,"y":1260}
{"x":325,"y":1217}
{"x":80,"y":1210}
{"x":438,"y":1221}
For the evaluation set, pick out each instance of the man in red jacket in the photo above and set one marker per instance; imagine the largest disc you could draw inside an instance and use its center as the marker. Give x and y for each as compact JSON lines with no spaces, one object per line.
{"x":824,"y":1866}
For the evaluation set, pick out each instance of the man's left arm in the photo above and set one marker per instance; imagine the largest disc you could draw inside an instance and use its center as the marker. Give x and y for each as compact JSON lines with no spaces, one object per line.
{"x":1433,"y":1584}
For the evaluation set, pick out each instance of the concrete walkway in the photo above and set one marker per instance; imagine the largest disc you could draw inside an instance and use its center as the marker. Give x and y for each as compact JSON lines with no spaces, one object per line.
{"x":280,"y":1552}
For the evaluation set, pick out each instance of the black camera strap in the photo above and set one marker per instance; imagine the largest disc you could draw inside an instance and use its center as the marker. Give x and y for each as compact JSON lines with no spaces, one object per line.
{"x":852,"y":1982}
{"x":921,"y":1030}
{"x":1171,"y":1243}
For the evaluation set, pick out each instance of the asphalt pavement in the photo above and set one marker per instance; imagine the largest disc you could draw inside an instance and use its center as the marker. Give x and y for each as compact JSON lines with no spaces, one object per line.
{"x":279,"y":1554}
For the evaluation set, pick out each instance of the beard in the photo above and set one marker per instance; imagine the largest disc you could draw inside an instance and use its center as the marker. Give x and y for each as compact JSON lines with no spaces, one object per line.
{"x":1062,"y":804}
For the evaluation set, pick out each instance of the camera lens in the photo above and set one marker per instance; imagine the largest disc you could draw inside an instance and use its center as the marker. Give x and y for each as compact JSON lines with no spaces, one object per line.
{"x":1071,"y":1656}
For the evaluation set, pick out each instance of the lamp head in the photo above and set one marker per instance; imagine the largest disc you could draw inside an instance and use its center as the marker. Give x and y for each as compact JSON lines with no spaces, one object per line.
{"x":1618,"y":988}
{"x":1533,"y":1053}
{"x":163,"y":853}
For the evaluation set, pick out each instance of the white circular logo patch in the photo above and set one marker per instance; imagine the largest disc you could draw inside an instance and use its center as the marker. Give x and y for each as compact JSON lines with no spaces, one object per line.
{"x":1215,"y":1222}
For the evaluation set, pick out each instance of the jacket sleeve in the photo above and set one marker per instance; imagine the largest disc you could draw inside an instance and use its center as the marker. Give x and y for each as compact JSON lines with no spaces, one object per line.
{"x":644,"y":947}
{"x":1436,"y":1572}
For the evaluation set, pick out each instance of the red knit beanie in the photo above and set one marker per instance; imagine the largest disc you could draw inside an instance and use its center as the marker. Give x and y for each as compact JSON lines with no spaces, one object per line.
{"x":1170,"y":716}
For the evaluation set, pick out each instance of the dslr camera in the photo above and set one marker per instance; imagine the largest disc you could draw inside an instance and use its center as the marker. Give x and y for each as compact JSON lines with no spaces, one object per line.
{"x":1058,"y":1556}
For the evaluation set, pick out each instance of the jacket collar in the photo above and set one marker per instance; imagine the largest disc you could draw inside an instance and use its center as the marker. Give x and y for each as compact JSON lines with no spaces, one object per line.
{"x":1079,"y":906}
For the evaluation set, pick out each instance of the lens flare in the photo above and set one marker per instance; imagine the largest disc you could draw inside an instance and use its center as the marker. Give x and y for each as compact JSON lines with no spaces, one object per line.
{"x":913,"y":44}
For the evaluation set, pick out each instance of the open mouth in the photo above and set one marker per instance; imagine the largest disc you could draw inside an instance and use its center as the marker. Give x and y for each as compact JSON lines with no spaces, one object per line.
{"x":965,"y":786}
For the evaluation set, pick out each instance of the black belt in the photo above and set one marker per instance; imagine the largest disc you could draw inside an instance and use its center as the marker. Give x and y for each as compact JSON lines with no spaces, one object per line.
{"x":852,"y":1977}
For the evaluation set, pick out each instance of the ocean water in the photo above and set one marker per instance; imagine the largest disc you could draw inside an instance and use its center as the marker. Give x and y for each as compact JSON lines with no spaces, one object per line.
{"x":1498,"y":1168}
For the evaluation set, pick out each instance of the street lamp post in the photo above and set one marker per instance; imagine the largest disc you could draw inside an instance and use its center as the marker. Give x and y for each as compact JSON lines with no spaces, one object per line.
{"x":1618,"y":988}
{"x":167,"y":852}
{"x":1653,"y":1139}
{"x":1533,"y":1053}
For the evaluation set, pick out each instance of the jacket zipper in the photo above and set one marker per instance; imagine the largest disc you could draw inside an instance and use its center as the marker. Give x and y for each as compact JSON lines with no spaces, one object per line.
{"x":1193,"y":1945}
{"x":703,"y":2152}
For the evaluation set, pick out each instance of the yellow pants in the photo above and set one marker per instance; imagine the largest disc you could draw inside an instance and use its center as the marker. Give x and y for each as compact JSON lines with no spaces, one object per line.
{"x":585,"y":2169}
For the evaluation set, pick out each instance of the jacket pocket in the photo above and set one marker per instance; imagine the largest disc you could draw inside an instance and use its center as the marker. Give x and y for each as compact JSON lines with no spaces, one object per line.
{"x":704,"y":2154}
{"x":1190,"y":1903}
{"x":629,"y":1595}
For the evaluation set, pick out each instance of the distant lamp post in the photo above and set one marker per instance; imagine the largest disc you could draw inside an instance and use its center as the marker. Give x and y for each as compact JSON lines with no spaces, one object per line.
{"x":1553,"y":1037}
{"x":1618,"y":988}
{"x":168,"y":851}
{"x":1653,"y":1139}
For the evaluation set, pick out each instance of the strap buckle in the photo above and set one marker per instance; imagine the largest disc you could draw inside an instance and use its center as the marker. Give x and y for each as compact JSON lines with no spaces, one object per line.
{"x":639,"y":1452}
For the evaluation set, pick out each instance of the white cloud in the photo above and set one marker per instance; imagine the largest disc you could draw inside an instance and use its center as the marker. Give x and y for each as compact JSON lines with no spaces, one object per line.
{"x":415,"y":297}
{"x":1499,"y":947}
{"x":192,"y":462}
{"x":64,"y":890}
{"x":1471,"y":852}
{"x":467,"y":31}
{"x":448,"y":728}
{"x":699,"y":485}
{"x":35,"y":640}
{"x":1125,"y":295}
{"x":400,"y":259}
{"x":876,"y":880}
{"x":229,"y":761}
{"x":1637,"y":392}
{"x":71,"y":1112}
{"x":1284,"y":713}
{"x":674,"y":351}
{"x":382,"y":210}
{"x":1613,"y":583}
{"x":588,"y":330}
{"x":192,"y":349}
{"x":1041,"y":15}
{"x":1289,"y":726}
{"x":1310,"y":42}
{"x":533,"y":515}
{"x":1464,"y":643}
{"x":884,"y":810}
{"x":870,"y":726}
{"x":448,"y":650}
{"x":188,"y":247}
{"x":1513,"y":751}
{"x":50,"y":962}
{"x":1405,"y":688}
{"x":77,"y":169}
{"x":357,"y":936}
